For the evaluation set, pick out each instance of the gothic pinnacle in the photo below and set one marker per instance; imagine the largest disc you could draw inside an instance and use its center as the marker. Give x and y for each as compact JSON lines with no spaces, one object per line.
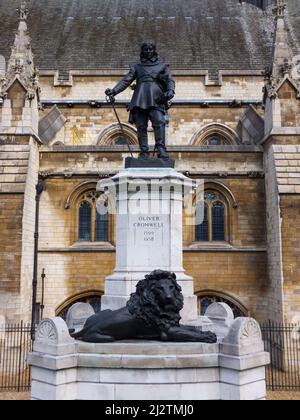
{"x":279,"y":9}
{"x":23,"y":12}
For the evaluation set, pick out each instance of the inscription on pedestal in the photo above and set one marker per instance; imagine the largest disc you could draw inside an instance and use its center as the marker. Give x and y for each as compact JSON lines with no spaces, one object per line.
{"x":149,"y":230}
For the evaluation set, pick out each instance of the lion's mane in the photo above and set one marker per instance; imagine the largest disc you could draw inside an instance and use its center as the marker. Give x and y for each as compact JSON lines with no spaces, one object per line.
{"x":143,"y":304}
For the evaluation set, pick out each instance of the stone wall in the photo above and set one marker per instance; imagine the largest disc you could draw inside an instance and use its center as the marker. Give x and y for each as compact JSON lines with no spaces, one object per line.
{"x":11,"y":210}
{"x":70,"y":273}
{"x":237,"y":268}
{"x":86,"y":125}
{"x":241,"y":275}
{"x":274,"y":241}
{"x":13,"y":170}
{"x":28,"y":229}
{"x":290,"y":213}
{"x":19,"y":174}
{"x":282,"y":191}
{"x":189,"y":87}
{"x":290,"y":105}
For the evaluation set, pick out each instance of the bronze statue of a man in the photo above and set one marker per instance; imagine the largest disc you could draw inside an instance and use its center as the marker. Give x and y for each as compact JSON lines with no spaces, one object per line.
{"x":155,"y":88}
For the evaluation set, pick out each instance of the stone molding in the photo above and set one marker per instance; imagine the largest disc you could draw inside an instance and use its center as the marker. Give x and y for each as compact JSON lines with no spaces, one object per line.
{"x":244,"y":338}
{"x":53,"y":336}
{"x":65,"y":369}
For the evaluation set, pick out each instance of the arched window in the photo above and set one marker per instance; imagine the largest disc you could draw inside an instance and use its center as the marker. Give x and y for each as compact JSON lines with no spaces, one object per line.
{"x":214,"y":225}
{"x":121,"y":140}
{"x":263,"y":4}
{"x":218,"y":221}
{"x":206,"y":298}
{"x":202,"y":231}
{"x":215,"y":134}
{"x":92,"y":225}
{"x":93,"y":297}
{"x":101,"y":227}
{"x":114,"y":136}
{"x":85,"y":221}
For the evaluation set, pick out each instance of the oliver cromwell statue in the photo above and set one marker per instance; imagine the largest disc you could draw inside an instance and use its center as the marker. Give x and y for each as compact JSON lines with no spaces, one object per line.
{"x":155,"y":88}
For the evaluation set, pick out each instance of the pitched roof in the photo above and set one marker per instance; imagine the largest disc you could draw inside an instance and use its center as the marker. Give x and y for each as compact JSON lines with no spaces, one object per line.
{"x":97,"y":34}
{"x":293,"y":24}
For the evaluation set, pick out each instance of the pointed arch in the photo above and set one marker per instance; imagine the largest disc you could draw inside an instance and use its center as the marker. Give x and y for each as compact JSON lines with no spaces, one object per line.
{"x":217,"y":224}
{"x":87,"y":223}
{"x":77,"y":191}
{"x":207,"y":297}
{"x":224,"y":190}
{"x":215,"y":131}
{"x":292,"y":85}
{"x":111,"y":133}
{"x":16,"y":81}
{"x":262,"y":4}
{"x":86,"y":297}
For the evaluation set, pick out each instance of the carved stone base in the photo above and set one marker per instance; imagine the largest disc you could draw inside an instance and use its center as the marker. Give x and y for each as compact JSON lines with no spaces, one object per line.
{"x":149,"y":163}
{"x":149,"y":237}
{"x":233,"y":369}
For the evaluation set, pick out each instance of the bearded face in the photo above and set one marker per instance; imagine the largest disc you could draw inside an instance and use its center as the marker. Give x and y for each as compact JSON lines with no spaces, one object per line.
{"x":148,"y":51}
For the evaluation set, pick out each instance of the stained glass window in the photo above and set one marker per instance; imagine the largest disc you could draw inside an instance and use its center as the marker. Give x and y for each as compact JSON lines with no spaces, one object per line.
{"x":101,"y":227}
{"x":92,"y":226}
{"x":216,"y":141}
{"x":85,"y":219}
{"x":122,"y":141}
{"x":218,"y":222}
{"x":259,"y":3}
{"x":213,"y":227}
{"x":202,"y":233}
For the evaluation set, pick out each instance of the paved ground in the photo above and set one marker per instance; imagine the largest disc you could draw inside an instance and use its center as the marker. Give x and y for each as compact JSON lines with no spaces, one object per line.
{"x":14,"y":396}
{"x":272,"y":396}
{"x":287,"y":396}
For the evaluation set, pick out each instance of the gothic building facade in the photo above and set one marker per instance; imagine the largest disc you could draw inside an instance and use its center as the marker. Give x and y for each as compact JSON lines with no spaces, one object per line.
{"x":235,"y":122}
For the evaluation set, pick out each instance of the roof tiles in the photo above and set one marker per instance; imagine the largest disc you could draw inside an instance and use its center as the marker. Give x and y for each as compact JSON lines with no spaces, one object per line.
{"x":106,"y":34}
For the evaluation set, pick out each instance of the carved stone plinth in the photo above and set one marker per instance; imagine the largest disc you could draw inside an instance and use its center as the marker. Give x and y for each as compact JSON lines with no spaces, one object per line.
{"x":148,"y":236}
{"x":65,"y":369}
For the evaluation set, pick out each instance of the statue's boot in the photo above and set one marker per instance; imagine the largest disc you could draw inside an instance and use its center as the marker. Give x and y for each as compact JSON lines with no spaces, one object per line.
{"x":143,"y":141}
{"x":160,"y":142}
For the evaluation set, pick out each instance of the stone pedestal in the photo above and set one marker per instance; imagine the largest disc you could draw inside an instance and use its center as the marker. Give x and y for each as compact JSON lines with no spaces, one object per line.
{"x":65,"y":369}
{"x":149,"y":205}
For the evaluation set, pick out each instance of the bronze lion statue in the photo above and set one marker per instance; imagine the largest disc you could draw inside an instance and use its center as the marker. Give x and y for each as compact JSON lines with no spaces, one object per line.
{"x":152,"y":313}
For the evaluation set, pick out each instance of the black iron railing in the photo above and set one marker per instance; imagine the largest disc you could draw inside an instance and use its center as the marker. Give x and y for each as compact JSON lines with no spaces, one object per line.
{"x":282,"y":341}
{"x":15,"y":344}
